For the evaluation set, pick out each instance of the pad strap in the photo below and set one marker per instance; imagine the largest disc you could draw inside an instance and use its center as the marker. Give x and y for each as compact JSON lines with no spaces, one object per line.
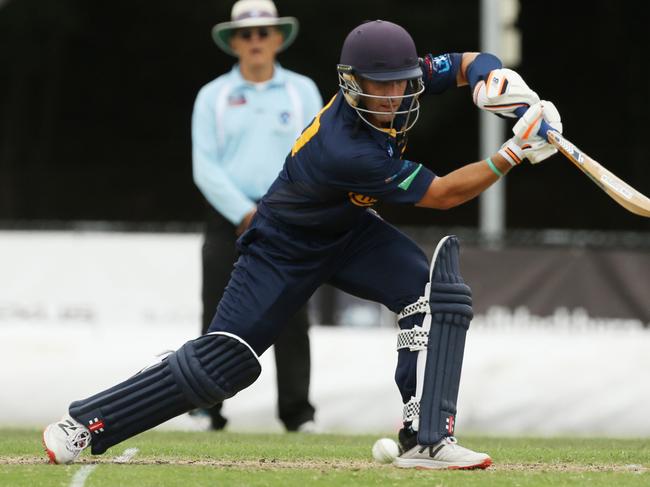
{"x":415,"y":339}
{"x":411,"y":410}
{"x":420,"y":306}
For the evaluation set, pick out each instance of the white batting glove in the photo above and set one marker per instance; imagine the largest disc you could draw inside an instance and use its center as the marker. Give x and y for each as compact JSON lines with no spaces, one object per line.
{"x":502,"y":92}
{"x":512,"y":152}
{"x":536,"y":148}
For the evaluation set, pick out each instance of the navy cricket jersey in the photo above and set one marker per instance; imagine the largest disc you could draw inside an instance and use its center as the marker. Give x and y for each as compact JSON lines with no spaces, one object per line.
{"x":340,"y":166}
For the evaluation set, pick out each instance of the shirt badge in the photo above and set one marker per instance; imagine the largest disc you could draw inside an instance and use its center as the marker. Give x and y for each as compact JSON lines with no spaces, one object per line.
{"x":441,"y":64}
{"x":390,"y":150}
{"x":235,"y":100}
{"x":285,"y":117}
{"x":361,"y":200}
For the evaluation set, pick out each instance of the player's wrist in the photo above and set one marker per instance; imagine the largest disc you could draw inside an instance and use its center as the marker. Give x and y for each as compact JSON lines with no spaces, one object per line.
{"x":480,"y":67}
{"x":498,"y":164}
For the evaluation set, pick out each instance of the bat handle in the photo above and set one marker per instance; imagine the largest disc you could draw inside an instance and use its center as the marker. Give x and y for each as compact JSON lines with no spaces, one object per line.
{"x":543,"y":129}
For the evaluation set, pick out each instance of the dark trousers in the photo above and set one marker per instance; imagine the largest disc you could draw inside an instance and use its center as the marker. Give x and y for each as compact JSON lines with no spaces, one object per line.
{"x":292,"y":357}
{"x":280,"y":267}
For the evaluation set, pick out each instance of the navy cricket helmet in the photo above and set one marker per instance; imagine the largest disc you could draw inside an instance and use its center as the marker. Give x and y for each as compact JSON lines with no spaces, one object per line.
{"x":381,"y":51}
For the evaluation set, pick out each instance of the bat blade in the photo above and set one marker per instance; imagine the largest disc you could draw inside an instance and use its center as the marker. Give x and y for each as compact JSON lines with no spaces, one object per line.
{"x":617,"y":189}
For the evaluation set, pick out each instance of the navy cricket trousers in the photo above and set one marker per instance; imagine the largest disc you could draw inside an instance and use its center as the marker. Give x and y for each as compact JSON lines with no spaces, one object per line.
{"x":280,"y":267}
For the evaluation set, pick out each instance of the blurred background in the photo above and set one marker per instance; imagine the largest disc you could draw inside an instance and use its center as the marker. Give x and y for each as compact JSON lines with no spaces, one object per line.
{"x":96,"y":98}
{"x":100,"y":219}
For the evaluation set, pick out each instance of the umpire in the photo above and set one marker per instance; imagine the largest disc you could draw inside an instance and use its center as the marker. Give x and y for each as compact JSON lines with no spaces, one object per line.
{"x":243,"y":125}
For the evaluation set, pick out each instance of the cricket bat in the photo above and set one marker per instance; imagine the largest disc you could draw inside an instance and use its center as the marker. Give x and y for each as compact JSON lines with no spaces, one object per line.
{"x":617,"y":189}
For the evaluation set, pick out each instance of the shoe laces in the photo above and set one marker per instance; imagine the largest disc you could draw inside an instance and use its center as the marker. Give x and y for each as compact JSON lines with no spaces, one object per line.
{"x":79,"y":440}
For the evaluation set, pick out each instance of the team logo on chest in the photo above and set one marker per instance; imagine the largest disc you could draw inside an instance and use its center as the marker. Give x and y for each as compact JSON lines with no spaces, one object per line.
{"x":236,"y":99}
{"x":285,"y":117}
{"x":361,"y":200}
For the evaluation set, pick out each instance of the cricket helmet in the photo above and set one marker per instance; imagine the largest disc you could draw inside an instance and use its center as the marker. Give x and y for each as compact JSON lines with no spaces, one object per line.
{"x":381,"y":51}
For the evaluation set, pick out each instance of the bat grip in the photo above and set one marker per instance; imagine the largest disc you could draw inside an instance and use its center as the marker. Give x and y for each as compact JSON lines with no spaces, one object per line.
{"x":543,"y":128}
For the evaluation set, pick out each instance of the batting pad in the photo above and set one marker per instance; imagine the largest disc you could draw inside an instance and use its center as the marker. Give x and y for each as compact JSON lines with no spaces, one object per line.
{"x":450,"y":301}
{"x":202,"y":373}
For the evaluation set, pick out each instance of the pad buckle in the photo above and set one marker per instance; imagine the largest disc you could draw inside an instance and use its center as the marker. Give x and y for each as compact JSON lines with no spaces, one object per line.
{"x":415,"y":339}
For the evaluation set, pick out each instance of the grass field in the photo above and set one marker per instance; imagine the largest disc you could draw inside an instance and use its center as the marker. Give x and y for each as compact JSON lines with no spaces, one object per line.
{"x":192,"y":459}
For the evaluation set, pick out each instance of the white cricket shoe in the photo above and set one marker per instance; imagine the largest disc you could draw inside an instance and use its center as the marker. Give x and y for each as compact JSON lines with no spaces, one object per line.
{"x":65,"y":439}
{"x":446,"y":454}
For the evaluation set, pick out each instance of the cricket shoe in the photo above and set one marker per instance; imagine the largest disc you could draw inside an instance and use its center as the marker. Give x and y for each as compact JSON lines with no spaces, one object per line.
{"x":65,"y":440}
{"x":446,"y":454}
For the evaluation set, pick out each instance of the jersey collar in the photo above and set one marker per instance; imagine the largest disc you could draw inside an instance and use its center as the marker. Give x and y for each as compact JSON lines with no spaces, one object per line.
{"x":279,"y":77}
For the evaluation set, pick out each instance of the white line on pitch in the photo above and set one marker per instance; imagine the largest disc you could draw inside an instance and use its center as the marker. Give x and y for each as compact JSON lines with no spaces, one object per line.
{"x":80,"y":476}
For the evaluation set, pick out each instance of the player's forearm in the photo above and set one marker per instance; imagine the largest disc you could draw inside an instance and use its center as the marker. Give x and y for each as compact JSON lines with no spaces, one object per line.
{"x":478,"y":67}
{"x":467,"y":59}
{"x":463,"y":184}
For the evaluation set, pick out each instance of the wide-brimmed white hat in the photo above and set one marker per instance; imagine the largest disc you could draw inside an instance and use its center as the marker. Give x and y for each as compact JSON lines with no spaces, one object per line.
{"x":254,"y":13}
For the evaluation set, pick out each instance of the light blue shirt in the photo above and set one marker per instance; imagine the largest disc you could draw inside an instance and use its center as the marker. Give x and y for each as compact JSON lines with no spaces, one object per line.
{"x":243,"y":131}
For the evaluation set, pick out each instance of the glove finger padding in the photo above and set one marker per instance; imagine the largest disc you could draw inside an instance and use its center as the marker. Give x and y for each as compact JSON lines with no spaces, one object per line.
{"x":536,"y":148}
{"x":503,"y":92}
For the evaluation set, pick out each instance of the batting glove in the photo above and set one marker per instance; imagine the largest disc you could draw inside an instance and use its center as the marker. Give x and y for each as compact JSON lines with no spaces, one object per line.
{"x":512,"y":152}
{"x":503,"y":92}
{"x":535,"y":148}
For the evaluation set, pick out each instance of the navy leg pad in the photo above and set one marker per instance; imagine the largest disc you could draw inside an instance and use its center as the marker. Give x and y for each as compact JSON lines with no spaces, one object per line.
{"x":451,"y":313}
{"x":213,"y":368}
{"x":202,"y":373}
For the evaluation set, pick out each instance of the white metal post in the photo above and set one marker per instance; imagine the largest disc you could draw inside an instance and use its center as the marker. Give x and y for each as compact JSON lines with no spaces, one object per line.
{"x":492,"y":220}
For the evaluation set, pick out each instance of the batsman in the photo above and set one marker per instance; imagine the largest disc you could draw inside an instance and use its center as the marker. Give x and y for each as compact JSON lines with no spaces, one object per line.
{"x":317,"y":225}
